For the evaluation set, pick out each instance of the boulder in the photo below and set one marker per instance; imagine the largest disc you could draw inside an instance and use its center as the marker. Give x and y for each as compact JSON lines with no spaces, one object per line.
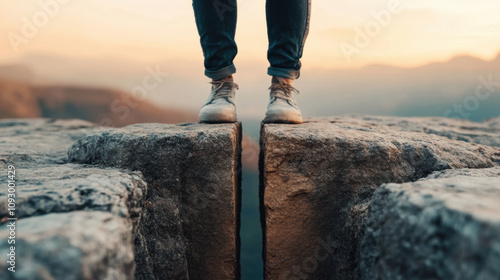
{"x":318,"y":178}
{"x":445,"y":226}
{"x":193,"y":176}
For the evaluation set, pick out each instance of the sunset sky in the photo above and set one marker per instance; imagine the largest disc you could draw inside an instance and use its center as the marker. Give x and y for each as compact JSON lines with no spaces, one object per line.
{"x":424,"y":31}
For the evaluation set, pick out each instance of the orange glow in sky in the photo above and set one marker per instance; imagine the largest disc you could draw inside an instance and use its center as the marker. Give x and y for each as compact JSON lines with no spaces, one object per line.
{"x":343,"y":33}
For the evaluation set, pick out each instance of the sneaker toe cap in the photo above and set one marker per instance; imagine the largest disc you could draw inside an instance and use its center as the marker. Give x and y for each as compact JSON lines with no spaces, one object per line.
{"x":216,"y":113}
{"x":283,"y":114}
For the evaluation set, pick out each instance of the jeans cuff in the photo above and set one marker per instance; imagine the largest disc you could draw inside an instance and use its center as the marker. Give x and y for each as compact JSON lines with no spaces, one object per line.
{"x":221,"y":73}
{"x":284,"y":73}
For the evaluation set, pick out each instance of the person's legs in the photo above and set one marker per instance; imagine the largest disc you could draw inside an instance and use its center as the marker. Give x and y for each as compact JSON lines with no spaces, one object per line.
{"x":216,"y":23}
{"x":287,"y":29}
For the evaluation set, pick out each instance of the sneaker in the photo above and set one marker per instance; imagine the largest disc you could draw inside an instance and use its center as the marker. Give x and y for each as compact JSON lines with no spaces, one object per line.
{"x":282,"y":106}
{"x":220,"y":107}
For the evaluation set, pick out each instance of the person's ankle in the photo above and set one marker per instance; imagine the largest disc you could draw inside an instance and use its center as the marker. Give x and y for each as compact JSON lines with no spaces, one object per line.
{"x":277,"y":80}
{"x":228,"y":78}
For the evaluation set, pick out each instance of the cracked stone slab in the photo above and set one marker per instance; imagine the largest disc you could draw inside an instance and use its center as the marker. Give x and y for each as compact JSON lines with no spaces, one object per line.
{"x":445,"y":226}
{"x":193,"y":176}
{"x":317,"y":179}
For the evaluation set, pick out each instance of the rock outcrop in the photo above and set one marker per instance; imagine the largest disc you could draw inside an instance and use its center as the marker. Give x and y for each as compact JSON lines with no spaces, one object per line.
{"x":74,"y":221}
{"x":157,"y":202}
{"x":356,"y":197}
{"x":190,"y":223}
{"x":318,"y":178}
{"x":445,"y":226}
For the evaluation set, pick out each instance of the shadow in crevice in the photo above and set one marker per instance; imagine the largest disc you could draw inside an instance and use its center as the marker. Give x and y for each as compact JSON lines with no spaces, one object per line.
{"x":250,"y":229}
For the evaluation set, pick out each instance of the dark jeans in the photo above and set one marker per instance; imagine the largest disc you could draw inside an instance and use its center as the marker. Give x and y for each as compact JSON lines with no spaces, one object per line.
{"x":287,"y":29}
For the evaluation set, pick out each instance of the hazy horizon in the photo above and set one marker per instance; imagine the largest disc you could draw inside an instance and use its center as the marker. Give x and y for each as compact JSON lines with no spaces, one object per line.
{"x":429,"y":90}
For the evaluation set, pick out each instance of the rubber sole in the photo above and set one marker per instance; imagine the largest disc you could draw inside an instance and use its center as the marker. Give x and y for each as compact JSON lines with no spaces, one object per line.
{"x":216,"y":118}
{"x":283,"y":119}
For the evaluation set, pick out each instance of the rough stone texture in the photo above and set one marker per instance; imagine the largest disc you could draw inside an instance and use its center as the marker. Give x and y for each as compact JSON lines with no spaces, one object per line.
{"x":69,"y":187}
{"x":445,"y":226}
{"x":191,"y":219}
{"x":317,"y":179}
{"x":75,"y":221}
{"x":40,"y":141}
{"x":74,"y":245}
{"x":485,"y":133}
{"x":81,"y":221}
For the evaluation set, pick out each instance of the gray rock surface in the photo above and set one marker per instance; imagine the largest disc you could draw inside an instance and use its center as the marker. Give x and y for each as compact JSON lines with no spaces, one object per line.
{"x":75,"y":221}
{"x":485,"y":133}
{"x":70,"y":187}
{"x":191,"y":219}
{"x":74,"y":245}
{"x":160,"y":198}
{"x":318,"y":178}
{"x":445,"y":226}
{"x":40,"y":141}
{"x":158,"y":201}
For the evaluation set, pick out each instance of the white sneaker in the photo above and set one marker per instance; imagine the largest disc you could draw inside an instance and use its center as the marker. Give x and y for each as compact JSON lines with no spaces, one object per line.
{"x":282,"y":106}
{"x":220,"y":107}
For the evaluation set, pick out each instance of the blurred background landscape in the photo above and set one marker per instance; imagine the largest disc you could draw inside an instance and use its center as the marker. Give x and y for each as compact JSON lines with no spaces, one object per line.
{"x":89,"y":60}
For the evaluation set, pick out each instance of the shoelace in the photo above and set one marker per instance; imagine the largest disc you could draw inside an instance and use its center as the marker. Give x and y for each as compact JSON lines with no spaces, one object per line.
{"x":223,"y":93}
{"x":283,"y":90}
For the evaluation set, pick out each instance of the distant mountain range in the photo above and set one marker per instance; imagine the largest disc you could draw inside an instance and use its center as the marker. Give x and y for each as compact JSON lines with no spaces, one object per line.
{"x":18,"y":99}
{"x":429,"y":90}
